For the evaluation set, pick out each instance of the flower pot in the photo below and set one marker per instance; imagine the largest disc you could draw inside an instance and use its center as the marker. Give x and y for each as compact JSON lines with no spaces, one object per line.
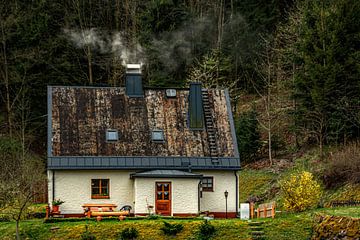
{"x":55,"y":208}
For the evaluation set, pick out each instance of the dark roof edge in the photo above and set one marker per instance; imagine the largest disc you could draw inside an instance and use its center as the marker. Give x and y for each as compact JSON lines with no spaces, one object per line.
{"x":145,"y":87}
{"x":232,"y":125}
{"x":165,"y":157}
{"x":139,"y":168}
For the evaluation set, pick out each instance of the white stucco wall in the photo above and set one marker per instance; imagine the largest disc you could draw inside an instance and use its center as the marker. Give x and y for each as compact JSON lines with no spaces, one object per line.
{"x":184,"y":198}
{"x":74,"y":187}
{"x":215,"y":201}
{"x":49,"y":184}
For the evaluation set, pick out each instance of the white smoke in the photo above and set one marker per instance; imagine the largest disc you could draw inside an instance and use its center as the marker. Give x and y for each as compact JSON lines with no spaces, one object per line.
{"x":177,"y":47}
{"x":113,"y":43}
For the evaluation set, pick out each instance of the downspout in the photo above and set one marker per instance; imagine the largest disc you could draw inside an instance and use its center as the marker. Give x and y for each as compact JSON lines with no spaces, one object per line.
{"x":237,"y":193}
{"x":53,"y":186}
{"x":199,"y":195}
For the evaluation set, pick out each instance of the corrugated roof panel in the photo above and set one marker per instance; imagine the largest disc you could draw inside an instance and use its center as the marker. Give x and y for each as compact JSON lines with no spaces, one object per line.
{"x":105,"y":161}
{"x":161,"y":161}
{"x":113,"y":162}
{"x":137,"y":161}
{"x":72,"y":162}
{"x":80,"y":162}
{"x":145,"y":161}
{"x":142,"y":163}
{"x":97,"y":161}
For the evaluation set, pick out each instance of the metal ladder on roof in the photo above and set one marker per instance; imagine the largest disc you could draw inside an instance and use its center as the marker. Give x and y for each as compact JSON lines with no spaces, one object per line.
{"x":209,"y":123}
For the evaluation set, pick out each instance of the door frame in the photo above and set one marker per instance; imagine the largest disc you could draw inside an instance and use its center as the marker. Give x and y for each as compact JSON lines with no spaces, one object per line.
{"x":170,"y":197}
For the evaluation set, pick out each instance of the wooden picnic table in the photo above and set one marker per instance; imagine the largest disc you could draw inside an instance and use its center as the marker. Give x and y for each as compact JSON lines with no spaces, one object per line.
{"x":102,"y":210}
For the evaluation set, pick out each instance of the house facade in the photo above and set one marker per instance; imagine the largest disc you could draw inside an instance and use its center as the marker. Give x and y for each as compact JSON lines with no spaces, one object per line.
{"x":164,"y":151}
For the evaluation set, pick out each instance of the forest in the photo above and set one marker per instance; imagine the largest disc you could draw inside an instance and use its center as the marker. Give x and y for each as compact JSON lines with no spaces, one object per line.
{"x":292,"y":66}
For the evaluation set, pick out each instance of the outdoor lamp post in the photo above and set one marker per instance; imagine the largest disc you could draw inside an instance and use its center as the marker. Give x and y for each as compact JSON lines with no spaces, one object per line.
{"x":226,"y":193}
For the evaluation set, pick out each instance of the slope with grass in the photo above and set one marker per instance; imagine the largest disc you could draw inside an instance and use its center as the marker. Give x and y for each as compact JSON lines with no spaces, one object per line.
{"x":285,"y":226}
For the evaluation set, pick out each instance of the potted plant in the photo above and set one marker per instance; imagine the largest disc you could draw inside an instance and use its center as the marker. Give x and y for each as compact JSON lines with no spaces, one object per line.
{"x":55,"y":205}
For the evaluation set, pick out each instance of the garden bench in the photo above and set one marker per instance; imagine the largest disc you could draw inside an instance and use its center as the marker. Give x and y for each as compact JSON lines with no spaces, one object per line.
{"x":104,"y":210}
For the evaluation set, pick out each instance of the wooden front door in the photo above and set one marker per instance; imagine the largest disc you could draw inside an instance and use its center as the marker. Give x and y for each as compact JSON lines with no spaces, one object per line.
{"x":163,"y":198}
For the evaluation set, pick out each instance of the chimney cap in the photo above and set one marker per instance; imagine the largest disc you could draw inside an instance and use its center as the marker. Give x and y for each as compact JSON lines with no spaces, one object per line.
{"x":133,"y":66}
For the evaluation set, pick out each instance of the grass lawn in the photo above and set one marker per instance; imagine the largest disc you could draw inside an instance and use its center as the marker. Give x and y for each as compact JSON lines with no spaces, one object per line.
{"x":343,"y":211}
{"x":148,"y":229}
{"x":284,"y":226}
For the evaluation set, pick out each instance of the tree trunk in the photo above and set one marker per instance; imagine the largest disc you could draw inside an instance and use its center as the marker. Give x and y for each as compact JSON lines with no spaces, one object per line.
{"x":17,"y":230}
{"x":6,"y":80}
{"x":89,"y":64}
{"x":270,"y":143}
{"x":269,"y":109}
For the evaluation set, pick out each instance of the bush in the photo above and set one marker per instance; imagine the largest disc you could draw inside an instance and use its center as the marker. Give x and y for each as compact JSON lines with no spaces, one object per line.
{"x":206,"y":230}
{"x":153,"y":217}
{"x":4,"y":218}
{"x":344,"y":167}
{"x":129,"y":234}
{"x":172,"y":229}
{"x":300,"y":192}
{"x":87,"y":235}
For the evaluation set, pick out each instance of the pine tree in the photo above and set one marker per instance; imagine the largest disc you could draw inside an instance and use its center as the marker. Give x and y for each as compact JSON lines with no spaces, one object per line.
{"x":327,"y":84}
{"x":248,"y":136}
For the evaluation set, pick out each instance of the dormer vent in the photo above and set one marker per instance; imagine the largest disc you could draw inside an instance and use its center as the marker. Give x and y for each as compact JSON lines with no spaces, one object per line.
{"x":170,"y":93}
{"x":134,"y":86}
{"x":157,"y":136}
{"x":196,"y":112}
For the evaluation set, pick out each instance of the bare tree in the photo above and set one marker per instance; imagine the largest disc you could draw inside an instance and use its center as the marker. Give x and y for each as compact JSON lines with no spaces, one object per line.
{"x":19,"y":181}
{"x":268,"y":91}
{"x":213,"y":71}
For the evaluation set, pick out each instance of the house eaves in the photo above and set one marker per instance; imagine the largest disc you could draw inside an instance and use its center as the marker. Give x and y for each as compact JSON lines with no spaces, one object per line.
{"x":143,"y":163}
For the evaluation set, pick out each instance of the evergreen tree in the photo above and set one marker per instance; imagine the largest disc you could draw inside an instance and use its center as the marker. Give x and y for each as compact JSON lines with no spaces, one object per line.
{"x":327,"y":86}
{"x":248,"y":136}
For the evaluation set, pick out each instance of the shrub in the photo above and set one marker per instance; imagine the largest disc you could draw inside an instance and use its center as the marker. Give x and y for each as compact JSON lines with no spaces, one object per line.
{"x":129,"y":234}
{"x":171,"y":229}
{"x":206,"y":230}
{"x":87,"y":235}
{"x":153,"y":217}
{"x":344,"y":167}
{"x":300,"y":191}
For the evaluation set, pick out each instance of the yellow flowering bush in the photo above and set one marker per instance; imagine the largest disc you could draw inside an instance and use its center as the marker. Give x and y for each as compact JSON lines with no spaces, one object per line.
{"x":300,"y":191}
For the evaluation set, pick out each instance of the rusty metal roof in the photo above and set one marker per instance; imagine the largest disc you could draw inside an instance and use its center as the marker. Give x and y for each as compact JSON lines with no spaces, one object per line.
{"x":78,"y":118}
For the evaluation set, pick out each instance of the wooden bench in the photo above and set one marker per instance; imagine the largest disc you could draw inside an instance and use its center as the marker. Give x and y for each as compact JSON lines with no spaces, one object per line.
{"x":103,"y":210}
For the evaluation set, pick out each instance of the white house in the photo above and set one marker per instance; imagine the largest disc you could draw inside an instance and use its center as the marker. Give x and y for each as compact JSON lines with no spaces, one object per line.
{"x":173,"y":149}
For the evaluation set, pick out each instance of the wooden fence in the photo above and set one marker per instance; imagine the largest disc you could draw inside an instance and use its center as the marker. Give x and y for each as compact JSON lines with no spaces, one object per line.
{"x":264,"y":210}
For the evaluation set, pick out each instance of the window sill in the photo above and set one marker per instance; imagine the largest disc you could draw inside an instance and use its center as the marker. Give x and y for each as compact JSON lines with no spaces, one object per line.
{"x":99,"y":197}
{"x":208,"y":190}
